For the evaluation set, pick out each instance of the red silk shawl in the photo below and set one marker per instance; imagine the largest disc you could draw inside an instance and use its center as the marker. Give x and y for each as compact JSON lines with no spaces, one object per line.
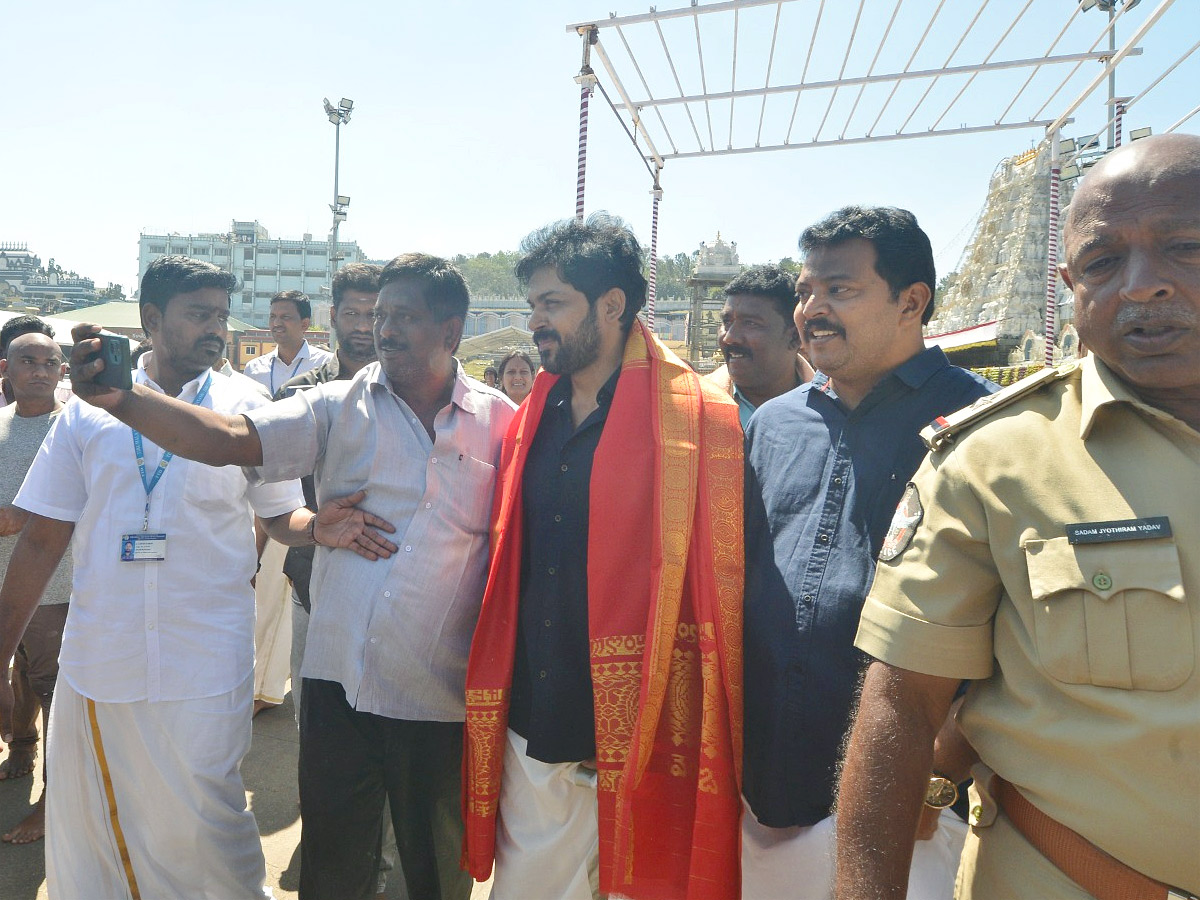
{"x":665,"y":570}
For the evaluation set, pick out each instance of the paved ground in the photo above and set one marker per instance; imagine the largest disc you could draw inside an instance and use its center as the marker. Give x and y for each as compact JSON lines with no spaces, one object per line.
{"x":270,"y":775}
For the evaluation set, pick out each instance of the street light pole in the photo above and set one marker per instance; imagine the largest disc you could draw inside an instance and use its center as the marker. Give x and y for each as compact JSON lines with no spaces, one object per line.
{"x":338,"y":115}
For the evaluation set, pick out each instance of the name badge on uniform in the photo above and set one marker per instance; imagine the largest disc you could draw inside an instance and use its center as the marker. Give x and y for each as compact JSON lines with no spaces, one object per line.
{"x":143,"y":547}
{"x":1122,"y":530}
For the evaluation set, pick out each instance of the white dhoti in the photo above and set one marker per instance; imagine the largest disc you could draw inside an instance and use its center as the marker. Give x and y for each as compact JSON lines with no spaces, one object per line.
{"x":146,"y":800}
{"x":272,"y":626}
{"x":798,"y":862}
{"x":547,"y":837}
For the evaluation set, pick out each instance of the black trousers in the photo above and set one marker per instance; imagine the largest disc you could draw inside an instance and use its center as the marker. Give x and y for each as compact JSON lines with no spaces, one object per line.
{"x":349,"y":762}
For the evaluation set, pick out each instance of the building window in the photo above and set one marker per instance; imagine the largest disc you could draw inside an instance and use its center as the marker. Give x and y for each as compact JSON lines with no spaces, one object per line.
{"x":291,"y":251}
{"x":248,"y":253}
{"x":156,"y":248}
{"x":294,"y":273}
{"x":220,"y":251}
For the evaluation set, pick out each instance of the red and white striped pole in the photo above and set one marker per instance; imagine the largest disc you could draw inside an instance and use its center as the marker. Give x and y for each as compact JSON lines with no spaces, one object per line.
{"x":653,"y":288}
{"x":1052,"y":253}
{"x":587,"y":82}
{"x":1118,"y":120}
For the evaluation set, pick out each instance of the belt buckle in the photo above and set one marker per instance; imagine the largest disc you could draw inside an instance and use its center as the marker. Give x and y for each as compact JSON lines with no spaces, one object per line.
{"x":1177,"y":894}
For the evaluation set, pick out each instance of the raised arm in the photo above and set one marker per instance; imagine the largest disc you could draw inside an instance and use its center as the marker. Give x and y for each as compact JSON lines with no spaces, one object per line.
{"x":884,"y":778}
{"x":39,"y":550}
{"x":186,"y":430}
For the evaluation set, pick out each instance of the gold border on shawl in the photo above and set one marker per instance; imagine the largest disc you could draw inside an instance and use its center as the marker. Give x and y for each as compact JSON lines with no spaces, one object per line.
{"x":678,"y":395}
{"x":111,"y":798}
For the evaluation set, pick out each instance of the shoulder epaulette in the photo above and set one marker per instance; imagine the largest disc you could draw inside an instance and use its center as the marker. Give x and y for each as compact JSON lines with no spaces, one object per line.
{"x":942,"y":430}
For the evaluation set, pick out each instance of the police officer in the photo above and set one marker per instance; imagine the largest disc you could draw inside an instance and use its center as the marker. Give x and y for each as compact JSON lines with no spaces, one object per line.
{"x":1048,"y":549}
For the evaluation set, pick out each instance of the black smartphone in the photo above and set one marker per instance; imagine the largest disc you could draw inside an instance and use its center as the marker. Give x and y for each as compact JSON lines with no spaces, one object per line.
{"x":117,"y":371}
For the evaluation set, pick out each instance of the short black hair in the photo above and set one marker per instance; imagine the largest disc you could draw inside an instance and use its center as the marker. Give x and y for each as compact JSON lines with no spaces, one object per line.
{"x":770,"y":282}
{"x":441,"y":283}
{"x":362,"y":277}
{"x":303,"y":306}
{"x":593,"y":257}
{"x":168,"y":276}
{"x":20,"y":325}
{"x":903,"y":255}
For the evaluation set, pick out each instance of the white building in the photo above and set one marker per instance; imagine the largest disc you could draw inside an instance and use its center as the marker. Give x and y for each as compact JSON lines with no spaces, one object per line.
{"x":263,"y":265}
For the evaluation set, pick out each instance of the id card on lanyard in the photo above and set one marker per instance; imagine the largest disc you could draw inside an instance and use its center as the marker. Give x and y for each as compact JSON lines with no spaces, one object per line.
{"x":291,"y":374}
{"x":142,"y":546}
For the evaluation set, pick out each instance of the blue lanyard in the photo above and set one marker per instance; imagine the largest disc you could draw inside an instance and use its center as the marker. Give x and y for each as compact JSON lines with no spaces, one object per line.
{"x":291,"y":374}
{"x":140,"y":453}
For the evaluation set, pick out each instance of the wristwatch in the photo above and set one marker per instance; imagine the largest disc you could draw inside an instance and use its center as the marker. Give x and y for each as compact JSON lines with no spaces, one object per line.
{"x":941,"y":792}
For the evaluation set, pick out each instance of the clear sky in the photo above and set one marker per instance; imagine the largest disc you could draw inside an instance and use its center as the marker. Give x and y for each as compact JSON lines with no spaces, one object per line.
{"x":168,"y":116}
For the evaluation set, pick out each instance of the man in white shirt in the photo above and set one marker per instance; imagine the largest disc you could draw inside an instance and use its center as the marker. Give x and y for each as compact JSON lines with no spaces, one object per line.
{"x":291,"y":314}
{"x":385,"y":664}
{"x":151,"y":713}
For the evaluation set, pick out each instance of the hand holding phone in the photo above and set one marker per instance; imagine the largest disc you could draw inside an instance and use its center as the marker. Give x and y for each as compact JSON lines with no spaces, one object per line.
{"x":117,"y":371}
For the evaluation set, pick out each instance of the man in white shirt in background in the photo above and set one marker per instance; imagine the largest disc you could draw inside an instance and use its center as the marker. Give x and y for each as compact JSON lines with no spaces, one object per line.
{"x":151,"y":713}
{"x":32,"y":365}
{"x":291,"y":314}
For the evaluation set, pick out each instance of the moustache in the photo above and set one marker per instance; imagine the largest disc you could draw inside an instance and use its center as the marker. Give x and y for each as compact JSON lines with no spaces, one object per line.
{"x":548,"y":334}
{"x":822,"y":324}
{"x":1171,"y":314}
{"x":736,"y":348}
{"x":216,"y":345}
{"x":390,"y":345}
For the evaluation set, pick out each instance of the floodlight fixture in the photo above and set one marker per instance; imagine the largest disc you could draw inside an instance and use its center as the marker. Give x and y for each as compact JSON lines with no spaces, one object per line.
{"x":1068,"y":172}
{"x":343,"y":200}
{"x":1085,"y":5}
{"x":334,"y":118}
{"x":1138,"y":133}
{"x":329,"y":110}
{"x":346,"y":104}
{"x":1066,"y":145}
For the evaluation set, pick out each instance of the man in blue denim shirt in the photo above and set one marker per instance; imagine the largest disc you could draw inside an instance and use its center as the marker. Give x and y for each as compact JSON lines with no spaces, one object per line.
{"x":826,"y":465}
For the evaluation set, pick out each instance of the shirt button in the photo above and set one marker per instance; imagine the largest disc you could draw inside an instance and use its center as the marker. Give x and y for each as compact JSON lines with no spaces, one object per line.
{"x":387,"y":593}
{"x":429,"y":506}
{"x":807,"y":598}
{"x":824,"y":539}
{"x":408,"y":548}
{"x":837,"y":481}
{"x":551,"y":570}
{"x":547,"y":623}
{"x":1102,"y":581}
{"x":150,"y":627}
{"x":558,"y":518}
{"x":374,"y":640}
{"x":542,"y":674}
{"x":434,"y":460}
{"x":563,"y":467}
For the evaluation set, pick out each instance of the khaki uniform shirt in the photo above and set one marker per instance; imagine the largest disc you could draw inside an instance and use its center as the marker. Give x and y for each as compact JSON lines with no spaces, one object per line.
{"x":1087,"y":691}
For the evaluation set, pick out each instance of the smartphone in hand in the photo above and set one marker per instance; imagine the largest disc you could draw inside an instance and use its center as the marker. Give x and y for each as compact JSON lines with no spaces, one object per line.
{"x":117,"y":371}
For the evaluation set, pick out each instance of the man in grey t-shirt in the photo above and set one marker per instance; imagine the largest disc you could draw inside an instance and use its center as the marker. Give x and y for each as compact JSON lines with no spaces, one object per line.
{"x":33,"y":365}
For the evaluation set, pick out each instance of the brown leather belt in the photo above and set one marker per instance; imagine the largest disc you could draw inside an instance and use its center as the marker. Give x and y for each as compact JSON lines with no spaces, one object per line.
{"x":1101,"y":875}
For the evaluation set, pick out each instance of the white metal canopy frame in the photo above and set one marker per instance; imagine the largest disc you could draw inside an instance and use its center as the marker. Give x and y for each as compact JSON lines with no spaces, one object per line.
{"x":866,"y":83}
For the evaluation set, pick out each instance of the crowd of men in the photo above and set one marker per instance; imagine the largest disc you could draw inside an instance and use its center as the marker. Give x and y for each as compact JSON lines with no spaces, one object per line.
{"x":840,"y":619}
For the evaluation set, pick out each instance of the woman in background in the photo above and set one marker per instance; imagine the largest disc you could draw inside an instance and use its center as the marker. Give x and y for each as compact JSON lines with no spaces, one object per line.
{"x":516,"y":376}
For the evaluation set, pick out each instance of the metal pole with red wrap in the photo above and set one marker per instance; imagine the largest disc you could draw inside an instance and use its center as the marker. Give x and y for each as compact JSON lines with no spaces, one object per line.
{"x":1052,"y":253}
{"x":653,"y":286}
{"x":586,"y":80}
